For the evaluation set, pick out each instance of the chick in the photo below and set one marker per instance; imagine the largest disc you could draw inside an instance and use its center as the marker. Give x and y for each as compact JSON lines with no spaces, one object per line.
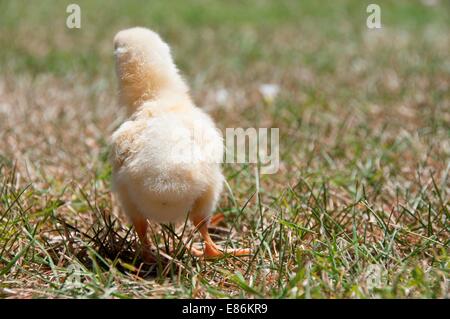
{"x":166,"y":157}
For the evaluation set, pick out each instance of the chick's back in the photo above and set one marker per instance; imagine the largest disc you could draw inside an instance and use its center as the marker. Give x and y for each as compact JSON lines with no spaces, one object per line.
{"x":166,"y":161}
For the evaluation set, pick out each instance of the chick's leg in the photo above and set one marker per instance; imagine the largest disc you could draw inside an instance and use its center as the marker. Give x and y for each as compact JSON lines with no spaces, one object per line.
{"x":212,"y":250}
{"x":216,"y":219}
{"x":139,"y":222}
{"x":200,"y":216}
{"x":141,"y":226}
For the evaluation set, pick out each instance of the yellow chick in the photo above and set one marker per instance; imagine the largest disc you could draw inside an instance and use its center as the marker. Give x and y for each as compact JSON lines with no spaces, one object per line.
{"x":166,"y":157}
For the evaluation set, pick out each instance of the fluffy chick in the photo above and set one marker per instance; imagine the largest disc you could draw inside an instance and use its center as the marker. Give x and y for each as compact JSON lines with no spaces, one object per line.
{"x":166,"y":156}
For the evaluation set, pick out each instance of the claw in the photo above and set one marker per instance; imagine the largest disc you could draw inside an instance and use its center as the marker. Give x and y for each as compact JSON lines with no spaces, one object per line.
{"x":212,"y":250}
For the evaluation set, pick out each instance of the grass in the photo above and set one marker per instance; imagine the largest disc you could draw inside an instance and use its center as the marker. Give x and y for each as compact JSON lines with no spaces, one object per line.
{"x":359,"y":208}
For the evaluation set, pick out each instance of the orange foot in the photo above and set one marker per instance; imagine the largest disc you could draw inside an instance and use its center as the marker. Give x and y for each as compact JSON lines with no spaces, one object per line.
{"x":212,"y":250}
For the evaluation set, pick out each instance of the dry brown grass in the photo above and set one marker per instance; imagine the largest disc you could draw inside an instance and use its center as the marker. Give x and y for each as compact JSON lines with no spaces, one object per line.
{"x":365,"y":146}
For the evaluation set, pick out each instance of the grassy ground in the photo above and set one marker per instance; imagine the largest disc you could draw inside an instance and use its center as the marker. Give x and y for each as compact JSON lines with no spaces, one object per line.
{"x":359,"y":208}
